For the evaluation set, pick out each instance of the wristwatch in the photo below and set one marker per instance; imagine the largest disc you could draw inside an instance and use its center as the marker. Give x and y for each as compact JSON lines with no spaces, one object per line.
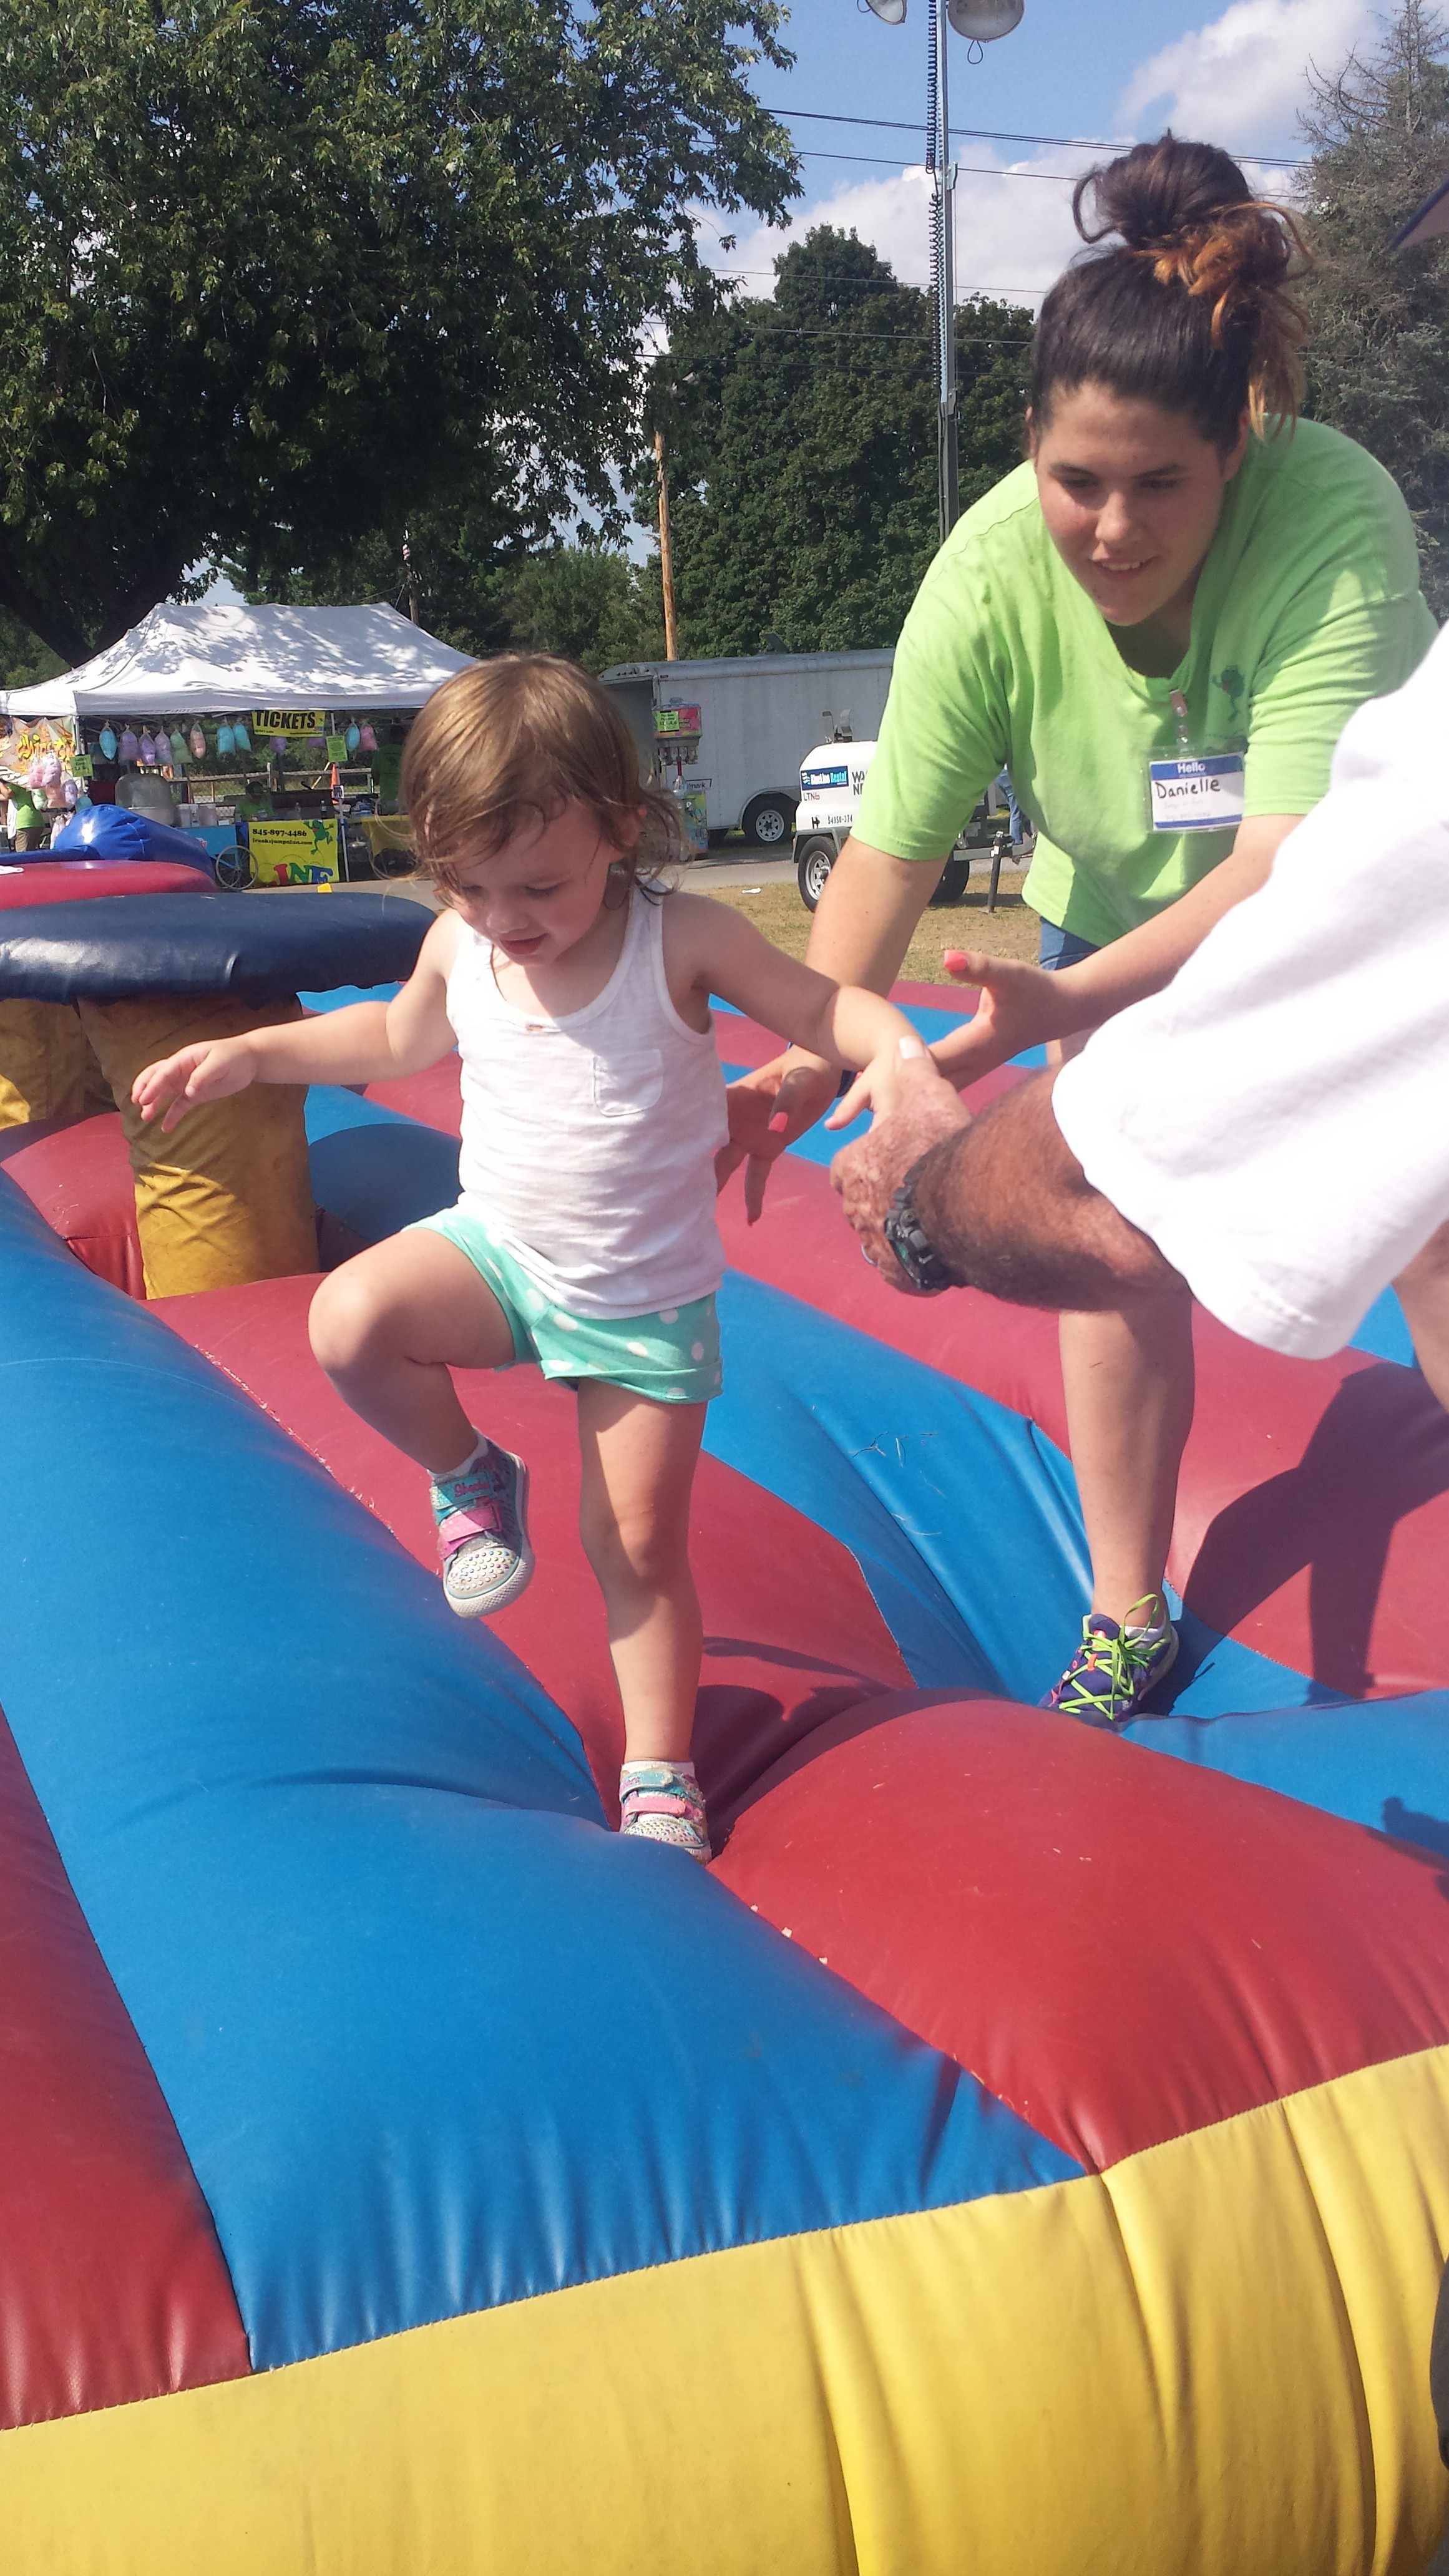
{"x":908,"y":1240}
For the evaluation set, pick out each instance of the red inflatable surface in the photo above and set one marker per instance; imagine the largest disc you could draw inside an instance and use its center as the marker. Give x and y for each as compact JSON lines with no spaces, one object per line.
{"x":1032,"y":1897}
{"x":83,"y":880}
{"x":112,"y":2283}
{"x":809,"y":1642}
{"x":78,"y":1176}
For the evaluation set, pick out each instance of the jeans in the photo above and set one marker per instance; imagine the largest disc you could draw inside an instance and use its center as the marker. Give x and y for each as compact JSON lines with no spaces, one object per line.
{"x":1063,"y":948}
{"x":1018,"y":828}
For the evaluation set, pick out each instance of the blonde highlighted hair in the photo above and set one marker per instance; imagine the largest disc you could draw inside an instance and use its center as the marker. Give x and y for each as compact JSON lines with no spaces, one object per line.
{"x":504,"y":746}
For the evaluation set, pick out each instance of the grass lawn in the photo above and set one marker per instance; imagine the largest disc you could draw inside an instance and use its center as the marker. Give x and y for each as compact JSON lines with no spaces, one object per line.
{"x":1010,"y":931}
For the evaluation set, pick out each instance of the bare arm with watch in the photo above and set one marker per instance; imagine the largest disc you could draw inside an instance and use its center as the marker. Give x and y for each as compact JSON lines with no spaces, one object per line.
{"x":944,"y":1200}
{"x":867,"y":913}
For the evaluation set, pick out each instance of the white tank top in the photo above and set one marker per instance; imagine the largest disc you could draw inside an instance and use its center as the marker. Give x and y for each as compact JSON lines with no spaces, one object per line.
{"x":588,"y":1142}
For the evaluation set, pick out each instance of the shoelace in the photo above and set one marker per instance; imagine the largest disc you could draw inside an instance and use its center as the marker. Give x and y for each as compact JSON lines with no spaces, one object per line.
{"x":1123,"y":1661}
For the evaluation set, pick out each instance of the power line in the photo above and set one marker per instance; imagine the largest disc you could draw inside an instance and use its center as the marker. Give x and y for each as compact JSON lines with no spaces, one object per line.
{"x":989,"y":134}
{"x":897,"y":286}
{"x":973,"y":169}
{"x":827,"y":331}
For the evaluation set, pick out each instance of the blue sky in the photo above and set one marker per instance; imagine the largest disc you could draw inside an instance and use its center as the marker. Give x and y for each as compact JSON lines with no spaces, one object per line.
{"x":1233,"y":75}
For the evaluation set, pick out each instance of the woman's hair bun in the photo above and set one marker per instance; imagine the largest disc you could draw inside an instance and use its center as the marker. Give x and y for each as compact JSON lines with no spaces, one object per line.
{"x":1191,"y":307}
{"x":1157,"y":192}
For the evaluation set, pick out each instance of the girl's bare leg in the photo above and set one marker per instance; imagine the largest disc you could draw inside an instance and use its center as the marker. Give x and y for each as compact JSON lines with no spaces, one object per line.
{"x":638,"y":1467}
{"x":387,"y":1326}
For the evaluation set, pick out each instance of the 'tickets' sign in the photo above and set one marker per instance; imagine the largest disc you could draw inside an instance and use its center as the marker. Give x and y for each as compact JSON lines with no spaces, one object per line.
{"x":294,"y":853}
{"x":274,"y":722}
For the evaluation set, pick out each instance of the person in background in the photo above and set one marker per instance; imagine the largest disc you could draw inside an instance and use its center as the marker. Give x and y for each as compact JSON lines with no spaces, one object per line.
{"x":1161,"y":622}
{"x":1013,"y":810}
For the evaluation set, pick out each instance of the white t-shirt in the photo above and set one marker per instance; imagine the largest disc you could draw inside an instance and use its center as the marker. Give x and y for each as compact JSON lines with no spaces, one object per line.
{"x":1278,"y":1119}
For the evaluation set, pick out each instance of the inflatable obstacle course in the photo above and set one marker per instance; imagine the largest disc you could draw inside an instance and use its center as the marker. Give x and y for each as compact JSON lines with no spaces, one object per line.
{"x":90,"y":993}
{"x":1023,"y":2148}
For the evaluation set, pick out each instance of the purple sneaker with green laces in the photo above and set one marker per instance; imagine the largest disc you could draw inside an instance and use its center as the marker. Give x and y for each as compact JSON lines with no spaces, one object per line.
{"x":482,"y":1518}
{"x":1117,"y":1666}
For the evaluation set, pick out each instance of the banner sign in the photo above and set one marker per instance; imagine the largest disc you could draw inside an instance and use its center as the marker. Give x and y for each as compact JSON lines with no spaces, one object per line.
{"x":279,"y":721}
{"x":20,"y":744}
{"x":294,"y":853}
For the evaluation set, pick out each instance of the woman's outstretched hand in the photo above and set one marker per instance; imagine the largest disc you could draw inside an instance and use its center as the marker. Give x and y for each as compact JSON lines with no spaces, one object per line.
{"x":1020,"y":1006}
{"x":768,"y":1108}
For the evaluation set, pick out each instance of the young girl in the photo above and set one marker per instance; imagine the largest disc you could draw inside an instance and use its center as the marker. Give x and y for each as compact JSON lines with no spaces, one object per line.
{"x":577,"y":991}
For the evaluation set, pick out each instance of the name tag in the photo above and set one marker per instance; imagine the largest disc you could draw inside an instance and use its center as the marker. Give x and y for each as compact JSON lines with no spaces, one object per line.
{"x":1196,"y":793}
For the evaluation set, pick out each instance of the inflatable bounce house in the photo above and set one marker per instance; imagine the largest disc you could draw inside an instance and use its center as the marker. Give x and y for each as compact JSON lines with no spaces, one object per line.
{"x":1025,"y":2151}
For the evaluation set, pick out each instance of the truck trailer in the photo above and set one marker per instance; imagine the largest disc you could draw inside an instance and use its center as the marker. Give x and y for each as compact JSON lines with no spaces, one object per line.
{"x":759,"y":713}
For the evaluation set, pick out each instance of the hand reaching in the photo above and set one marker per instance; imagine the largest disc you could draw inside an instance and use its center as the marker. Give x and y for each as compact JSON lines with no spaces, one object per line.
{"x":868,"y":1173}
{"x":212,"y":1070}
{"x":1020,"y":1006}
{"x":768,"y":1108}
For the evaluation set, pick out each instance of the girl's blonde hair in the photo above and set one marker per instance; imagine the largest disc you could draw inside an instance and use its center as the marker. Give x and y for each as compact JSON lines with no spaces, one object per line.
{"x":504,"y":746}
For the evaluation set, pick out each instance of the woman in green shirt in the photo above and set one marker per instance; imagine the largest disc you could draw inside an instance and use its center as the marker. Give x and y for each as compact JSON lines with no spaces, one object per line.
{"x":1161,"y":622}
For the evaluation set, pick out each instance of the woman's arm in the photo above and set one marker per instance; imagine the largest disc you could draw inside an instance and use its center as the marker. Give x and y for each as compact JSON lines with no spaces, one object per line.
{"x":367,"y":1042}
{"x":860,"y":933}
{"x":1023,"y":1006}
{"x":867,"y":913}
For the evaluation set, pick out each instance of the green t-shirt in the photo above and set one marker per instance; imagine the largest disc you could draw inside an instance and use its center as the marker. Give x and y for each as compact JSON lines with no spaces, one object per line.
{"x":1307,"y":604}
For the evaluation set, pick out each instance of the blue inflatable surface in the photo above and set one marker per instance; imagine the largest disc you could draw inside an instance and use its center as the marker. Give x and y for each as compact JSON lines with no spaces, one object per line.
{"x":112,"y":832}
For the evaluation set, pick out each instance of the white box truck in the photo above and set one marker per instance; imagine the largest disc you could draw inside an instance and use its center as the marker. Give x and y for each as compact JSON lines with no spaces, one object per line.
{"x":759,"y":714}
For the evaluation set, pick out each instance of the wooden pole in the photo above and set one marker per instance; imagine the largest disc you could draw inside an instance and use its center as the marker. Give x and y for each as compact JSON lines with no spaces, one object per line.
{"x":666,"y":552}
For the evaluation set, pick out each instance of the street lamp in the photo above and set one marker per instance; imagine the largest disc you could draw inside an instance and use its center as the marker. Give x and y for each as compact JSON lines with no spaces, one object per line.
{"x":980,"y":22}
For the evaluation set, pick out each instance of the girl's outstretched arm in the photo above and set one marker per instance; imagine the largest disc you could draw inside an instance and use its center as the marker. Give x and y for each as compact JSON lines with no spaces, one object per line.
{"x":367,"y":1042}
{"x":841,"y":1022}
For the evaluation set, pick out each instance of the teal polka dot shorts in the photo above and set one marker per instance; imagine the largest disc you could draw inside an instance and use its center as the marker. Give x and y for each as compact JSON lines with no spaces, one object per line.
{"x":672,"y":1356}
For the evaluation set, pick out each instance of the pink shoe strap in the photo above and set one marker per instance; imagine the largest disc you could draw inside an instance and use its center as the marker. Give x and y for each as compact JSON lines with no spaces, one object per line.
{"x":479,"y":1520}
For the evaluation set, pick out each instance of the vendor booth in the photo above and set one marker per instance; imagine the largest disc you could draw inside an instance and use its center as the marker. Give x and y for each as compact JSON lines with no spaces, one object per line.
{"x":212,"y":744}
{"x":267,"y":731}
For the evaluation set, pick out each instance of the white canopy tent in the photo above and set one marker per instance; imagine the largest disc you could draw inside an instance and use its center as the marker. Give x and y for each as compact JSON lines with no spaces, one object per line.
{"x":216,"y":660}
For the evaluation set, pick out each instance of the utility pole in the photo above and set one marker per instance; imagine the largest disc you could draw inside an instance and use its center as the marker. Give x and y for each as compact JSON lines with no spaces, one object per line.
{"x":981,"y":22}
{"x":943,"y":279}
{"x":410,"y":577}
{"x":666,"y":551}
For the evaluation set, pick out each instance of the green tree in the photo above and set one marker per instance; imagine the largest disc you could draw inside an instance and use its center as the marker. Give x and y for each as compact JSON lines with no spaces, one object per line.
{"x":23,"y":658}
{"x":589,"y":603}
{"x":1378,"y":355}
{"x":465,"y":557}
{"x":802,"y":437}
{"x":477,"y":588}
{"x":276,"y":271}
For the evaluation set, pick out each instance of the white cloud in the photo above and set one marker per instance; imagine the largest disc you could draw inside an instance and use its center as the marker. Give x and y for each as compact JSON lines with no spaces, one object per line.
{"x":1241,"y":79}
{"x":1013,"y":235}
